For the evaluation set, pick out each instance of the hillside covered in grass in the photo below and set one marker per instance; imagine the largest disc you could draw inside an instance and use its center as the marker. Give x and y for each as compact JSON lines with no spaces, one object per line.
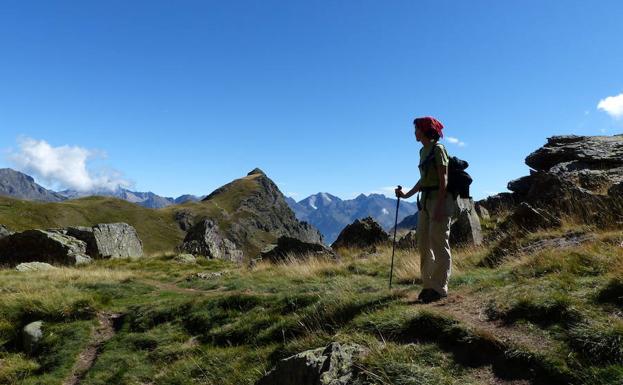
{"x":250,"y":210}
{"x":553,"y":316}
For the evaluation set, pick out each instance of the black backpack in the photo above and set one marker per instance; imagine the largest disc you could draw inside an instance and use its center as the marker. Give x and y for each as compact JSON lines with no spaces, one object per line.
{"x":458,"y":179}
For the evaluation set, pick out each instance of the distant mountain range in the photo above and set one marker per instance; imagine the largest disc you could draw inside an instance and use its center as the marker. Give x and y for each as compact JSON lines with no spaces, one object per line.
{"x":145,"y":199}
{"x":326,"y":212}
{"x":19,"y":185}
{"x":331,"y":214}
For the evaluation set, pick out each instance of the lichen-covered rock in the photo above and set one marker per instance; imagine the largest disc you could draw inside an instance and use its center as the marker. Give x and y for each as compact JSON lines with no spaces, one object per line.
{"x":34,"y":266}
{"x":109,"y":240}
{"x":42,"y":246}
{"x":288,"y":247}
{"x":31,"y":336}
{"x":206,"y":239}
{"x":331,"y":365}
{"x":465,"y":229}
{"x":361,"y":233}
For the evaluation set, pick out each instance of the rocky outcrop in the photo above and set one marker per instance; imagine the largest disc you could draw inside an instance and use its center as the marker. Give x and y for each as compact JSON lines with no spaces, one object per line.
{"x":109,"y":240}
{"x":207,"y":240}
{"x":361,"y":233}
{"x":465,"y":229}
{"x":185,"y":219}
{"x":287,"y":247}
{"x":573,"y":176}
{"x":244,"y":216}
{"x":42,"y":246}
{"x":331,"y":365}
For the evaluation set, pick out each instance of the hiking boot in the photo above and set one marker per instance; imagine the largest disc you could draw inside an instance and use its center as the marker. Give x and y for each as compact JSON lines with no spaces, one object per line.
{"x":433,"y":296}
{"x":425,"y":293}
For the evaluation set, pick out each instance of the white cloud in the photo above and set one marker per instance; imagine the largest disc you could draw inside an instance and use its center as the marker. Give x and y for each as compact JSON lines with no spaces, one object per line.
{"x":456,"y":141}
{"x":612,"y":105}
{"x":64,"y":166}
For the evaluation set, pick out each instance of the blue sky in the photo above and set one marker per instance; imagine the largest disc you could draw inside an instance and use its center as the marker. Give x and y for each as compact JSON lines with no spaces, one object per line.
{"x":182,"y":97}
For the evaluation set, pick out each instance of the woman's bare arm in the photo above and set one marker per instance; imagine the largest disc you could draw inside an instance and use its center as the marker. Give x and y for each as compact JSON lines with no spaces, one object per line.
{"x":410,"y":193}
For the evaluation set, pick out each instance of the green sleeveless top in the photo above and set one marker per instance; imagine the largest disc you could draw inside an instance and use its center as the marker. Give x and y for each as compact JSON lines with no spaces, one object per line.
{"x":428,"y":173}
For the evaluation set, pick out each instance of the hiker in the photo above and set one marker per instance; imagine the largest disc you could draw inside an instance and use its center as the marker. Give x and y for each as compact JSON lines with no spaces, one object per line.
{"x":437,"y":206}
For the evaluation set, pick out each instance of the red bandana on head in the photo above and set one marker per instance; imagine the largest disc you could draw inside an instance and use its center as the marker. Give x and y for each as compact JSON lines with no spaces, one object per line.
{"x":428,"y":124}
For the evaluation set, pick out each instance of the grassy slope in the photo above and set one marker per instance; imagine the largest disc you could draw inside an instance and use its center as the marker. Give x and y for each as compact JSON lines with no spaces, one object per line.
{"x":554,"y":315}
{"x":156,"y":228}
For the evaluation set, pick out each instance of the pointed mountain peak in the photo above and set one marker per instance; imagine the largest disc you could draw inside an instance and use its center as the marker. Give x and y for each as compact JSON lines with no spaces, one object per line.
{"x":256,"y":171}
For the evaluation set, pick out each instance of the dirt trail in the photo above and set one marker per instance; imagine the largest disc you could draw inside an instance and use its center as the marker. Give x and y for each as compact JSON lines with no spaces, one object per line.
{"x":87,"y":357}
{"x":469,"y":309}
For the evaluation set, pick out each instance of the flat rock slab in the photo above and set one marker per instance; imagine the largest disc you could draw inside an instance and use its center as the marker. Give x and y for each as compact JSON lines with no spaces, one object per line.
{"x":34,"y":266}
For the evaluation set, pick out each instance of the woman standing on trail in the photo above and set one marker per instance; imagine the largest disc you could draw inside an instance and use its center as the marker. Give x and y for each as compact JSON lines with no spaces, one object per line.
{"x":437,"y":208}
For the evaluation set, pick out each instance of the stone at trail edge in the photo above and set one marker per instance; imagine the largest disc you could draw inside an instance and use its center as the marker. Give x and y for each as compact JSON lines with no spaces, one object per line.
{"x":331,"y":365}
{"x":361,"y":233}
{"x":31,"y":336}
{"x":34,"y":266}
{"x":42,"y":246}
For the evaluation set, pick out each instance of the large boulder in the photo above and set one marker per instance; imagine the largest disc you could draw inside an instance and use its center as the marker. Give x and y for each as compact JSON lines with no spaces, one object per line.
{"x":578,"y":153}
{"x":573,"y":176}
{"x":465,"y":229}
{"x":361,"y":233}
{"x":109,"y":240}
{"x":42,"y":246}
{"x":288,"y":247}
{"x":206,"y":239}
{"x":331,"y":365}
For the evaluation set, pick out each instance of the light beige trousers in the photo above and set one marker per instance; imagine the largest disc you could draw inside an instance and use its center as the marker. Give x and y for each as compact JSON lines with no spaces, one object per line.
{"x":434,"y":245}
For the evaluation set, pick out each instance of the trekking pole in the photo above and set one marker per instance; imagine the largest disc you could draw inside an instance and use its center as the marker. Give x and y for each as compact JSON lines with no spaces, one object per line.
{"x":391,"y":270}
